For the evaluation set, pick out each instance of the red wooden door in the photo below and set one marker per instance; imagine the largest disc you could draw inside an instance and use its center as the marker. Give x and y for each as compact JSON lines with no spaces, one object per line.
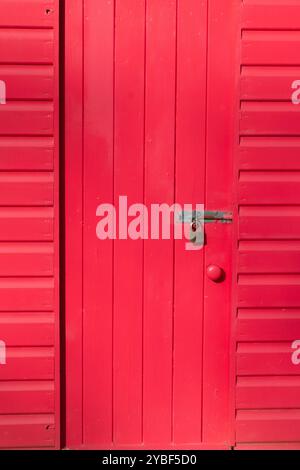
{"x":147,"y":330}
{"x":29,"y":225}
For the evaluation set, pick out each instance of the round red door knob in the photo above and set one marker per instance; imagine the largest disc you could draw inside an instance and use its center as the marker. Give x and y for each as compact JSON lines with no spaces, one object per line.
{"x":215,"y":273}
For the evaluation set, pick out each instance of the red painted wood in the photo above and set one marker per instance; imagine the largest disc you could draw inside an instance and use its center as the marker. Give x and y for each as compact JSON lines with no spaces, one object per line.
{"x":27,"y":397}
{"x":29,"y":225}
{"x":23,"y":431}
{"x":73,"y":219}
{"x":217,"y":388}
{"x":29,"y":363}
{"x":28,"y":329}
{"x":263,"y":47}
{"x":159,"y":187}
{"x":268,"y":426}
{"x":33,"y":13}
{"x":27,"y":118}
{"x":255,"y":82}
{"x":269,"y":153}
{"x":34,"y":259}
{"x":159,"y":115}
{"x":26,"y":153}
{"x":268,"y":392}
{"x":189,"y":187}
{"x":35,"y":47}
{"x":27,"y":189}
{"x":37,"y":82}
{"x":136,"y":126}
{"x":130,"y":23}
{"x":98,"y":184}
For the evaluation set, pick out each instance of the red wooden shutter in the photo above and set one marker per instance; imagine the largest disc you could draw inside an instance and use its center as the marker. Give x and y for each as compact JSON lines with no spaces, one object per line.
{"x":29,"y":224}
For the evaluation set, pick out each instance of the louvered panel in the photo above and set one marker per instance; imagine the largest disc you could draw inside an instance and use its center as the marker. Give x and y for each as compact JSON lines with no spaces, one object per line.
{"x":268,"y":260}
{"x":268,"y":392}
{"x":37,"y":83}
{"x":268,"y":425}
{"x":29,"y":228}
{"x":26,"y":46}
{"x":269,"y":153}
{"x":26,"y":153}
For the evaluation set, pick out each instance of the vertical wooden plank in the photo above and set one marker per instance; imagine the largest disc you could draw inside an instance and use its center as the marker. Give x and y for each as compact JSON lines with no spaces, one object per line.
{"x":217,"y":302}
{"x":73,"y":220}
{"x":128,"y":254}
{"x":159,"y":188}
{"x":98,"y":188}
{"x":190,"y":187}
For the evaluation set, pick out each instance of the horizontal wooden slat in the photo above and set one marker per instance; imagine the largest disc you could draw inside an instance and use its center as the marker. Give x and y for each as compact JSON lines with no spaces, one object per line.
{"x":268,"y":425}
{"x":278,"y":222}
{"x":26,"y":397}
{"x":262,"y":290}
{"x":270,"y":47}
{"x":27,"y":329}
{"x":26,"y":189}
{"x":27,"y":431}
{"x":26,"y":294}
{"x":268,"y":392}
{"x":34,"y":224}
{"x":268,"y":83}
{"x":266,"y":359}
{"x":269,"y":256}
{"x":26,"y":153}
{"x":269,"y":187}
{"x":26,"y":46}
{"x":269,"y":446}
{"x":270,"y":14}
{"x":30,"y":13}
{"x":26,"y":118}
{"x":28,"y":364}
{"x":269,"y":118}
{"x":267,"y":325}
{"x":269,"y":153}
{"x":26,"y":259}
{"x":31,"y":82}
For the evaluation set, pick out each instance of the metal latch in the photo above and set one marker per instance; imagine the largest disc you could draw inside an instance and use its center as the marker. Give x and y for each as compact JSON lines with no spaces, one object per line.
{"x":196,"y":219}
